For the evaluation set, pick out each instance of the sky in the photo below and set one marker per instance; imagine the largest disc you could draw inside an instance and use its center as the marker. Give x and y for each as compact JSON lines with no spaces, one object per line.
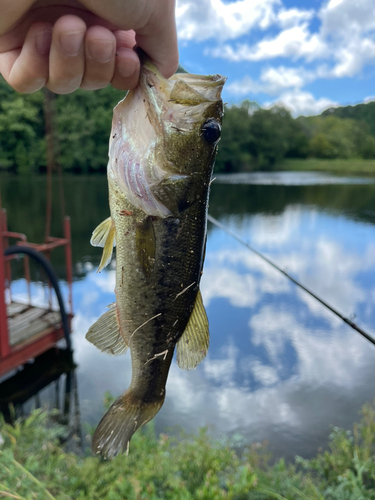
{"x":308,"y":55}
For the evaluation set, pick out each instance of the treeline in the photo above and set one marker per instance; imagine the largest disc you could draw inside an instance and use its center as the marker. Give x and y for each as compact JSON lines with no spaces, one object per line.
{"x":83,"y":123}
{"x":252,"y":138}
{"x":259,"y":139}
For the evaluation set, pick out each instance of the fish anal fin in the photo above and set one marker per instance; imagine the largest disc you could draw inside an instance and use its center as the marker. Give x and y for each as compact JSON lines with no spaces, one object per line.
{"x":193,"y":345}
{"x":105,"y":333}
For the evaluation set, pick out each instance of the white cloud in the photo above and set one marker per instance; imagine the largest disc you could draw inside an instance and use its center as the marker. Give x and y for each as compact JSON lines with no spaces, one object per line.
{"x":203,"y":19}
{"x":222,"y":370}
{"x":282,"y":78}
{"x":245,"y":86}
{"x":274,"y":80}
{"x":292,"y":17}
{"x":353,"y":56}
{"x":239,"y":289}
{"x":296,"y":42}
{"x":346,"y":18}
{"x":265,"y":374}
{"x":275,"y":230}
{"x":342,"y":46}
{"x":200,"y":20}
{"x":105,"y":281}
{"x":302,"y":103}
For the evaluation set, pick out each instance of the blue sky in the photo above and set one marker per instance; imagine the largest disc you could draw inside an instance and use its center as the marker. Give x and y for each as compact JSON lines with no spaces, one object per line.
{"x":308,"y":55}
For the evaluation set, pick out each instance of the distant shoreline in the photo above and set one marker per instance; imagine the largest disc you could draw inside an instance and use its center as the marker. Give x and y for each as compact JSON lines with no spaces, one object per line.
{"x":338,"y":166}
{"x":349,"y":167}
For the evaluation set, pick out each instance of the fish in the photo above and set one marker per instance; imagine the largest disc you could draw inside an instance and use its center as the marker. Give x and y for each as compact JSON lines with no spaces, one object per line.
{"x":162,"y":150}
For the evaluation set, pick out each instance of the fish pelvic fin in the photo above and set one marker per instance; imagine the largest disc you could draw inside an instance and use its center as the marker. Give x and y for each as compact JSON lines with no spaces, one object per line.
{"x":105,"y":333}
{"x":193,"y":345}
{"x":115,"y":430}
{"x":104,"y":236}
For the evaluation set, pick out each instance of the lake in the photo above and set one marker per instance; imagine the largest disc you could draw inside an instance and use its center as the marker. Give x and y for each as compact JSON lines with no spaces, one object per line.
{"x":281,"y":367}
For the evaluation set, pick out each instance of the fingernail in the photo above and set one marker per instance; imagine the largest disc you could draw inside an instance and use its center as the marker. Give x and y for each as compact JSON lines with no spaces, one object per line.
{"x":126,"y":67}
{"x":71,"y":43}
{"x":43,"y":42}
{"x":101,"y":51}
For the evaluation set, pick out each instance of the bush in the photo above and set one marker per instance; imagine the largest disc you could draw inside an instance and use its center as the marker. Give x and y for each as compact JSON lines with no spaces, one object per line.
{"x":34,"y":465}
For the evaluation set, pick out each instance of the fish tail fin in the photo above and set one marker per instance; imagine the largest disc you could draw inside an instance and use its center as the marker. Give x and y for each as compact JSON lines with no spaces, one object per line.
{"x":115,"y":430}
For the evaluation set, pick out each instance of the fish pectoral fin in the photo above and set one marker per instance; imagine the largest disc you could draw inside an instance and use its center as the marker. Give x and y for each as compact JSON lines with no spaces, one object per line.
{"x":100,"y":233}
{"x":193,"y":345}
{"x":145,"y":244}
{"x":105,"y":334}
{"x":104,"y":236}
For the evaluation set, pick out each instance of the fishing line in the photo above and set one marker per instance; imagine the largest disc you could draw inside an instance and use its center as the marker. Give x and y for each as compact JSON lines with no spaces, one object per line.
{"x":275,"y":266}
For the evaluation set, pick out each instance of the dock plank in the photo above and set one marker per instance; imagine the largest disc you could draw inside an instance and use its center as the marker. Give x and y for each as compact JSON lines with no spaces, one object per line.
{"x":26,"y":318}
{"x":25,"y":323}
{"x":51,"y":319}
{"x":15,"y":308}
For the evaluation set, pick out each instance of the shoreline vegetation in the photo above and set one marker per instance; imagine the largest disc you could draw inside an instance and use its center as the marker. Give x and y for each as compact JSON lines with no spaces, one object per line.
{"x":340,"y":140}
{"x":33,"y":464}
{"x":350,"y":167}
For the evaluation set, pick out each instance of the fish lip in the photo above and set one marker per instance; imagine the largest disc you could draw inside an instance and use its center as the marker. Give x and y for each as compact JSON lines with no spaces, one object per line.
{"x":207,"y":88}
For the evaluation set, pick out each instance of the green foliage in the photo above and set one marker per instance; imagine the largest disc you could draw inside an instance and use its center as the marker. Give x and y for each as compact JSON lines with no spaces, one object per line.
{"x":22,"y":146}
{"x":84,"y":123}
{"x":34,"y":466}
{"x":83,"y":126}
{"x":333,"y":137}
{"x":256,"y":139}
{"x":252,"y":138}
{"x":364,"y":113}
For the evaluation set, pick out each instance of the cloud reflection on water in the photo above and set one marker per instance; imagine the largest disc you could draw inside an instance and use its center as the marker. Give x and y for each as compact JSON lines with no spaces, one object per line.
{"x":280,"y":366}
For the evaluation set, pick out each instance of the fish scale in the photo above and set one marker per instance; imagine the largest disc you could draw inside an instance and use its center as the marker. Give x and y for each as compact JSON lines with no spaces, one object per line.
{"x":162,"y":150}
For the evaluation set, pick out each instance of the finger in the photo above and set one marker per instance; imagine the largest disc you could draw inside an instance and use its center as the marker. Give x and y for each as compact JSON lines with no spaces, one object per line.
{"x":159,"y":39}
{"x":100,"y":47}
{"x":26,"y":69}
{"x":127,"y":69}
{"x":67,"y":60}
{"x":127,"y":61}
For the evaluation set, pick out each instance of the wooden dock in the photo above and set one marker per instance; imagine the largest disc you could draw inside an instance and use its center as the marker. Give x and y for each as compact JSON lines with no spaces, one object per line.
{"x":27,"y":330}
{"x":27,"y":323}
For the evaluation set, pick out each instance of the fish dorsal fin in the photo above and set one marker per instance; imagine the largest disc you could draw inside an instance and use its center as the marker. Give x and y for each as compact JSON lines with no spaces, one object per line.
{"x":104,"y":236}
{"x":193,"y":345}
{"x":105,"y":334}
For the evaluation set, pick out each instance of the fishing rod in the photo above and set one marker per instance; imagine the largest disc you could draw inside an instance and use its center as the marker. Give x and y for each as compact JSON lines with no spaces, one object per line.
{"x":275,"y":266}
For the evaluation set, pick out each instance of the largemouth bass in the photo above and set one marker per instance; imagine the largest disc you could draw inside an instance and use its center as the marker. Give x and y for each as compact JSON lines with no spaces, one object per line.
{"x":161,"y":156}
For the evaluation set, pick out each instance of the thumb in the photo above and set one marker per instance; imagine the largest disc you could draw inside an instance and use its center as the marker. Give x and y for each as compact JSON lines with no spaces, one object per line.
{"x":159,"y":40}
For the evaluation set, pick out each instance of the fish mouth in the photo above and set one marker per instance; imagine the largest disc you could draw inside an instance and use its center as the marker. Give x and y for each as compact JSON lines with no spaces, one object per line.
{"x":155,"y":126}
{"x":184,"y":89}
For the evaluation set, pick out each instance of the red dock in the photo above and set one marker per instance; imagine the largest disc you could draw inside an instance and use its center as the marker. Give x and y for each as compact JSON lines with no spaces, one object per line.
{"x":27,"y":330}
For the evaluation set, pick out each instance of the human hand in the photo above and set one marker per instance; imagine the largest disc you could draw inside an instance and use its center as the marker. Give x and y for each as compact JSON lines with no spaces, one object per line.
{"x":87,"y":44}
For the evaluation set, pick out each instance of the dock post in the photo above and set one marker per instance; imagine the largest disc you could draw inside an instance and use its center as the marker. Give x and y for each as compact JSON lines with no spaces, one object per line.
{"x":4,"y":338}
{"x":68,"y":260}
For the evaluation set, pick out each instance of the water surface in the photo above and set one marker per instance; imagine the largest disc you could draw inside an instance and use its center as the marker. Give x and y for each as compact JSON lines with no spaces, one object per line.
{"x":281,"y":367}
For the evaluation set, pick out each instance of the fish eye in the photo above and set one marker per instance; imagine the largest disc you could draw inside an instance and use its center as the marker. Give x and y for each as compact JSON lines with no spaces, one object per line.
{"x":211,"y":131}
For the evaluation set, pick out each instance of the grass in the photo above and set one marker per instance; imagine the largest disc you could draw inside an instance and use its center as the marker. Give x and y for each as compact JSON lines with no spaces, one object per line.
{"x":347,"y":167}
{"x":33,"y":465}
